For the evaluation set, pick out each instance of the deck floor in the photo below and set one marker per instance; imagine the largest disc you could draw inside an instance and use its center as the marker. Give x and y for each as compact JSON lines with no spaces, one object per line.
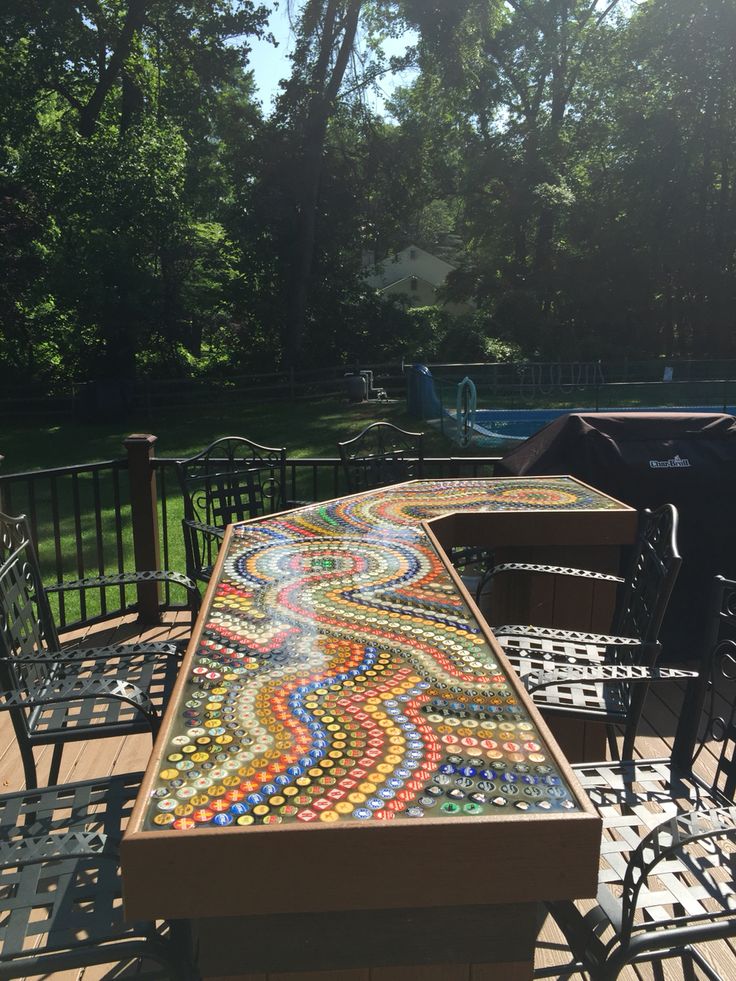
{"x":109,"y":756}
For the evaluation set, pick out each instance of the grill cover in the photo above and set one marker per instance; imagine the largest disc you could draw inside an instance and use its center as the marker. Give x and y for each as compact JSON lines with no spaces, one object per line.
{"x":646,"y":459}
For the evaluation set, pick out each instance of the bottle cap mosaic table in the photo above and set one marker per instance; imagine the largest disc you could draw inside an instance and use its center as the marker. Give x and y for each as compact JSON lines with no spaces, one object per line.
{"x":345,"y":735}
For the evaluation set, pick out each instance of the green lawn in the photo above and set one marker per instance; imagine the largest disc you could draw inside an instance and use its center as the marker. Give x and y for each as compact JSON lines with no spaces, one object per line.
{"x":305,"y":428}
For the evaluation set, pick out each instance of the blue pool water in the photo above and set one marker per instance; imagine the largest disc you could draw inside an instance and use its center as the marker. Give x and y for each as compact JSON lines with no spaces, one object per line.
{"x":498,"y":427}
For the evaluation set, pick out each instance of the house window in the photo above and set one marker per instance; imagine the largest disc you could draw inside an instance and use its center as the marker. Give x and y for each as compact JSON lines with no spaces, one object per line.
{"x":414,"y":283}
{"x":412,"y":253}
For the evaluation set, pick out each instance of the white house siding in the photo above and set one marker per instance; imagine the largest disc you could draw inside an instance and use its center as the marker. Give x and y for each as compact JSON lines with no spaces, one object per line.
{"x":420,"y":292}
{"x":411,"y":261}
{"x":415,"y":274}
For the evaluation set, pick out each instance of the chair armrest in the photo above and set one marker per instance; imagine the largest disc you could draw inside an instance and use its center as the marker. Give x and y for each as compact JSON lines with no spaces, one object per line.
{"x":124,"y":579}
{"x":20,"y":852}
{"x":583,"y":673}
{"x":116,"y":650}
{"x":71,"y":689}
{"x":131,"y":578}
{"x":204,"y":528}
{"x":559,"y":635}
{"x":554,"y":570}
{"x":78,"y":655}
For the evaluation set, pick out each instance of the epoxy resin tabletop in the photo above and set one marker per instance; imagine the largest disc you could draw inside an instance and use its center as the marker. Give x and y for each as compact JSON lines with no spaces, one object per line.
{"x":340,"y":677}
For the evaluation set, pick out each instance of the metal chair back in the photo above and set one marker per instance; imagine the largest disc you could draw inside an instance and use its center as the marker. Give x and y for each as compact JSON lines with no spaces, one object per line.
{"x":724,"y":730}
{"x":27,"y":629}
{"x":382,"y":454}
{"x":233,"y":479}
{"x":714,"y":812}
{"x":697,"y":715}
{"x":669,"y":830}
{"x":648,"y":586}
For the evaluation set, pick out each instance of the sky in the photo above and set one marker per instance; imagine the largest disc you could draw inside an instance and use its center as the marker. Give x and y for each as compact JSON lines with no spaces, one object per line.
{"x":271,"y":64}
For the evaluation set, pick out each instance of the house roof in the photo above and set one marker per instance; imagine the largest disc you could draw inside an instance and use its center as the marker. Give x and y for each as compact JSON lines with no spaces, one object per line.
{"x":425,"y":252}
{"x":406,"y":279}
{"x":394,"y":268}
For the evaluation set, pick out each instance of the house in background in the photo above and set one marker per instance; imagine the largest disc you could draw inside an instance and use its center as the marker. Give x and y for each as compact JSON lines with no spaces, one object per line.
{"x":412,"y":273}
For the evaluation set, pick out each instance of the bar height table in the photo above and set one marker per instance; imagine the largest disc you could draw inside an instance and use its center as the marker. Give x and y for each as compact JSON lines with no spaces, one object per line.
{"x":350,"y":782}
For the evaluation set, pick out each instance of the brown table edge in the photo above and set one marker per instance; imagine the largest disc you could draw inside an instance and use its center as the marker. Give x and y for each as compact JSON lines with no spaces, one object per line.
{"x":134,"y":832}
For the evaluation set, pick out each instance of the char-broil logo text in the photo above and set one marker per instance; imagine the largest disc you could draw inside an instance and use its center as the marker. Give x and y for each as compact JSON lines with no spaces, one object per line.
{"x":675,"y":461}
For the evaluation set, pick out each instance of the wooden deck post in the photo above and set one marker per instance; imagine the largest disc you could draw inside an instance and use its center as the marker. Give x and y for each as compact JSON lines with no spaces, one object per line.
{"x":144,"y":513}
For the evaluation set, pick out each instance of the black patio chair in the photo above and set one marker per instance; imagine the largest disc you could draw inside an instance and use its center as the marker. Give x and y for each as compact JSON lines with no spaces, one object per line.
{"x":643,"y":592}
{"x":56,"y":694}
{"x":380,"y":455}
{"x":642,"y":601}
{"x":60,"y":899}
{"x":666,"y":879}
{"x":232,"y":479}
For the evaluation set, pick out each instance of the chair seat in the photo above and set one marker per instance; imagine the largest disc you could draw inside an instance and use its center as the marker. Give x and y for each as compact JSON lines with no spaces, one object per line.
{"x":634,"y":799}
{"x":153,"y":675}
{"x":609,"y":700}
{"x":568,"y":651}
{"x":60,"y":890}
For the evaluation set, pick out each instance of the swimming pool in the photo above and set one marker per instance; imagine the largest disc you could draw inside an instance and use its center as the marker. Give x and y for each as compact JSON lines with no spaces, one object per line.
{"x":503,"y":427}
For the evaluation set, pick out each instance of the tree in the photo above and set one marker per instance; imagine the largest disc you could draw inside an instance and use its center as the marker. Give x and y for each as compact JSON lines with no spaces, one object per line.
{"x":675,"y":119}
{"x":86,"y":52}
{"x":326,"y":39}
{"x":514,"y":78}
{"x":326,"y":54}
{"x":114,"y":137}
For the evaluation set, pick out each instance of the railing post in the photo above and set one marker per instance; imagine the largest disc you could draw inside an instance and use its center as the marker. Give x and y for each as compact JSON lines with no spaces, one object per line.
{"x":144,"y":513}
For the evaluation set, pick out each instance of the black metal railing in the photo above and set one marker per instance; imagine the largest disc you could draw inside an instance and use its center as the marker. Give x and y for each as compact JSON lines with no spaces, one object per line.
{"x":83,"y":523}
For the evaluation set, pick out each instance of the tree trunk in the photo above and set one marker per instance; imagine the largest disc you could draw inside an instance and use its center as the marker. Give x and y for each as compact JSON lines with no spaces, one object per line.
{"x":543,"y":271}
{"x":303,"y":258}
{"x":89,"y":113}
{"x":312,"y":158}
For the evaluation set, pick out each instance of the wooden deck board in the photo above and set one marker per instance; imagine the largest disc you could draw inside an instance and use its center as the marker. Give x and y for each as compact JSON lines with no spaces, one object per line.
{"x":107,"y":756}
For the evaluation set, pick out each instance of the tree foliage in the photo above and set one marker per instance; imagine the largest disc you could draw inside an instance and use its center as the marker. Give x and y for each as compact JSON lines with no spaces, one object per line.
{"x":572,"y":158}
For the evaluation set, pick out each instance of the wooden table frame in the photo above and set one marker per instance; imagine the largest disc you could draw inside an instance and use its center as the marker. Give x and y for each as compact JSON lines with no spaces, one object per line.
{"x":244,"y":885}
{"x":578,"y":539}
